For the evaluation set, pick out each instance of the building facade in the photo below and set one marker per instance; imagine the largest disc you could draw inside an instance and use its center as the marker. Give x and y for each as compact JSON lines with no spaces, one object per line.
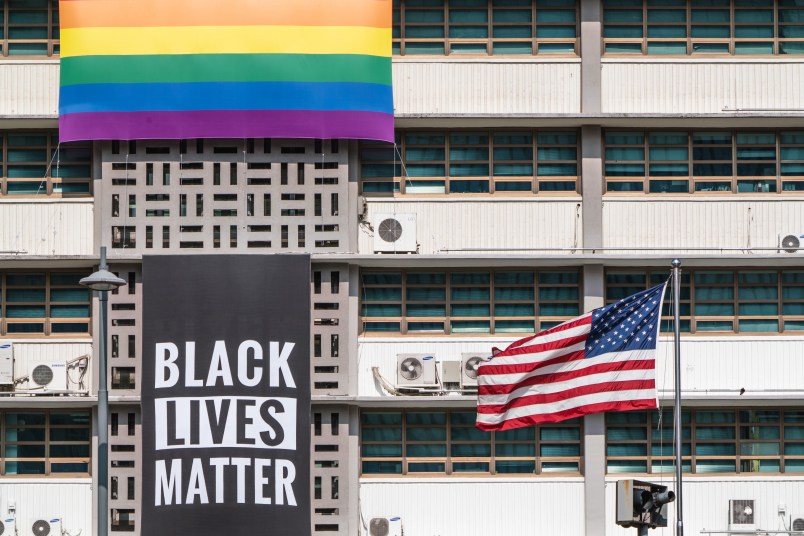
{"x":551,"y":157}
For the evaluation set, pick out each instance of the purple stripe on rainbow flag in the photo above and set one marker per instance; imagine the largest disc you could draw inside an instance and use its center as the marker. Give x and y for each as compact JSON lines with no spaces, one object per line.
{"x":227,"y":124}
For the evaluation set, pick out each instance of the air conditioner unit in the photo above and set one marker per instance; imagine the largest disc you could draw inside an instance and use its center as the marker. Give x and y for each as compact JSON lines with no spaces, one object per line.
{"x":791,"y":242}
{"x":469,"y":364}
{"x":385,"y":526}
{"x":416,"y":370}
{"x":395,"y":233}
{"x":49,"y":376}
{"x":8,"y":527}
{"x":46,"y":526}
{"x":797,"y":523}
{"x":741,"y":515}
{"x":6,"y":363}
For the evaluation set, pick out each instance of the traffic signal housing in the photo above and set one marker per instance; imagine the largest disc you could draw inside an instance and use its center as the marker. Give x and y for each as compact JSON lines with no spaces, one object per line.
{"x":642,"y":504}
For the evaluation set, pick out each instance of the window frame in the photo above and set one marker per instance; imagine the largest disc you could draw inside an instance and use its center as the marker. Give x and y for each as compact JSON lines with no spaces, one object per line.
{"x":48,"y":320}
{"x":51,"y":184}
{"x":452,"y":45}
{"x":690,"y":319}
{"x":403,"y":320}
{"x":690,"y":421}
{"x":402,"y":181}
{"x":734,"y":184}
{"x":732,"y":42}
{"x":47,"y":459}
{"x":450,"y":462}
{"x":52,"y":42}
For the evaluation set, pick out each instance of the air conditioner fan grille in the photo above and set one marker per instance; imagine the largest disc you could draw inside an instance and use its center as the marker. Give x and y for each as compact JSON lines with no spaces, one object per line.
{"x":791,"y":243}
{"x":470,"y":367}
{"x":379,"y":526}
{"x":390,"y":230}
{"x":742,"y":512}
{"x":411,"y":368}
{"x":42,"y":375}
{"x":40,"y":528}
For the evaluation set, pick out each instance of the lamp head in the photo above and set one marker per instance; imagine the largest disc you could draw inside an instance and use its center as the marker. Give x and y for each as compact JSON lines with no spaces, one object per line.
{"x":102,"y":280}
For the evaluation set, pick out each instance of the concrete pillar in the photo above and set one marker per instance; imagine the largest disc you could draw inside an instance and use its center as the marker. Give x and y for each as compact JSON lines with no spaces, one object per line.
{"x":591,"y":42}
{"x":594,"y":428}
{"x":592,"y":186}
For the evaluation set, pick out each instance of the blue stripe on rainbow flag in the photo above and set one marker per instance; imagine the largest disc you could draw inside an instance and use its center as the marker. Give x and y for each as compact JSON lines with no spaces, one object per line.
{"x":225,"y":96}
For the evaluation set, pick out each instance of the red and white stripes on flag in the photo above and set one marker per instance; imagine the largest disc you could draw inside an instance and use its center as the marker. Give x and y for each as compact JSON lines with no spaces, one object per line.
{"x":603,"y":360}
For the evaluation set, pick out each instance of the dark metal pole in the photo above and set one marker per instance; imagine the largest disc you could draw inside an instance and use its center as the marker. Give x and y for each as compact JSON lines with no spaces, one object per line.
{"x":103,"y":411}
{"x":677,"y":409}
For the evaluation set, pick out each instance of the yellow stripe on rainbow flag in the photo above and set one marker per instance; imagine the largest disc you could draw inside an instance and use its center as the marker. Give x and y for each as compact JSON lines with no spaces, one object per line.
{"x":226,"y":40}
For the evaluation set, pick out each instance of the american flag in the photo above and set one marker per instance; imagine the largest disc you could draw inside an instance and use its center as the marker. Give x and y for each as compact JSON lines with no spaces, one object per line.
{"x":600,"y":361}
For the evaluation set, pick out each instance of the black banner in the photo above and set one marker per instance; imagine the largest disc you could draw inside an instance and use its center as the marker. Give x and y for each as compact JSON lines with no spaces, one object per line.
{"x":226,"y":395}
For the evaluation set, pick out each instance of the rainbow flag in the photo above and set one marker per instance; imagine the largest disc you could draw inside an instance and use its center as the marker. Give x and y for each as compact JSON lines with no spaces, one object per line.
{"x":177,"y":69}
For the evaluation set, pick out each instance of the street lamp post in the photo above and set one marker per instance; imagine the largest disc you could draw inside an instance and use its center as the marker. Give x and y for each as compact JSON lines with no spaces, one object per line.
{"x":103,"y":281}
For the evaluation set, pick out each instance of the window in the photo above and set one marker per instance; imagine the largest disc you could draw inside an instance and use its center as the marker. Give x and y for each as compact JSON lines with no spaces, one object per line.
{"x":681,"y":27}
{"x":32,"y":163}
{"x":44,"y":303}
{"x":45,"y":442}
{"x":483,"y":27}
{"x":464,"y":302}
{"x":745,"y":301}
{"x":680,"y":162}
{"x":447,"y":442}
{"x":750,"y":440}
{"x":29,"y":28}
{"x":477,"y":162}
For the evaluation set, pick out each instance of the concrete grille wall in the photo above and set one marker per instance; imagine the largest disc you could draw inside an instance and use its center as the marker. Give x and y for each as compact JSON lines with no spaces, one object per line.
{"x":125,"y":331}
{"x":332,"y":470}
{"x":203,"y":196}
{"x":329,"y":294}
{"x":125,"y":467}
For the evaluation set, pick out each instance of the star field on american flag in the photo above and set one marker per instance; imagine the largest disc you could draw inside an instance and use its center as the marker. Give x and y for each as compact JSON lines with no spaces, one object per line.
{"x":628,"y":324}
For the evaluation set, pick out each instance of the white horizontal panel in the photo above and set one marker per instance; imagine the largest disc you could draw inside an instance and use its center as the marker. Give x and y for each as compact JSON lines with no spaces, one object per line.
{"x":766,"y":367}
{"x":29,"y":89}
{"x":382,"y":354}
{"x":700,"y":87}
{"x":485,"y":87}
{"x":48,"y":499}
{"x":484,"y":225}
{"x":28,"y":354}
{"x":451,"y":507}
{"x":683,"y":225}
{"x":44,"y":228}
{"x":706,"y":503}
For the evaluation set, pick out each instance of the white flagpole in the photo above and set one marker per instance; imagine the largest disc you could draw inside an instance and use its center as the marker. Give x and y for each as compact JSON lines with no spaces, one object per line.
{"x":676,"y":264}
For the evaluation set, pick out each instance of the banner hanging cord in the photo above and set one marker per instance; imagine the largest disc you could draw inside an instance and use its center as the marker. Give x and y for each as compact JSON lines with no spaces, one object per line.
{"x":55,"y":157}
